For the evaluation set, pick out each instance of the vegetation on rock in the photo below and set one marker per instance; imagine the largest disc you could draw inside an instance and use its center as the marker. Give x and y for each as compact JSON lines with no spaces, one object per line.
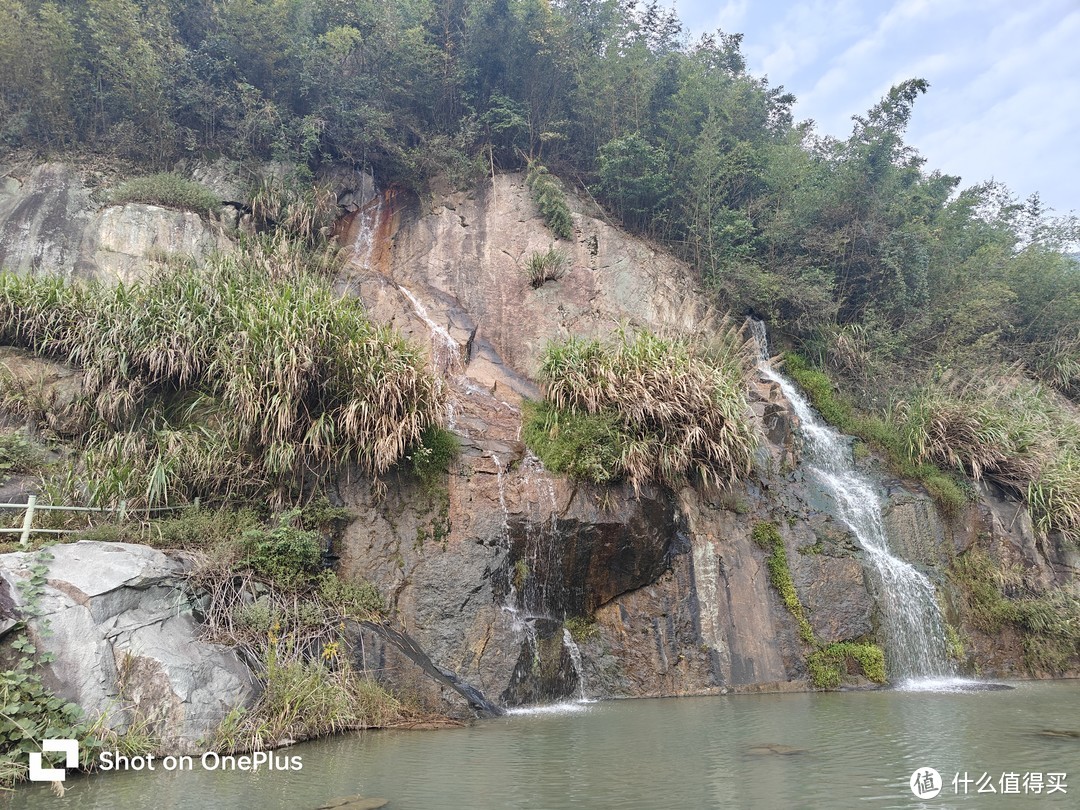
{"x":168,"y":190}
{"x":550,"y":199}
{"x":827,"y":665}
{"x":549,"y":265}
{"x":996,"y":595}
{"x":222,"y":380}
{"x":644,"y":408}
{"x":1009,"y":431}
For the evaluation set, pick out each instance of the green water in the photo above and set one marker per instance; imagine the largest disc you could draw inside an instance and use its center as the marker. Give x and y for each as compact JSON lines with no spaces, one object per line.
{"x":854,"y":749}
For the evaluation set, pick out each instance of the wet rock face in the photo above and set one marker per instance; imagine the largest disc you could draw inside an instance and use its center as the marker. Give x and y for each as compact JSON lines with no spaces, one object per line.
{"x":481,"y":573}
{"x":586,"y":556}
{"x":125,"y":642}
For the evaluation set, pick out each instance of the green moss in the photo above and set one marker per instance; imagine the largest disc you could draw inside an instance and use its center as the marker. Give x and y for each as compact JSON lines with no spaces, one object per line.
{"x":829,"y":665}
{"x":582,"y":629}
{"x":521,"y":573}
{"x":954,"y":644}
{"x":768,"y":538}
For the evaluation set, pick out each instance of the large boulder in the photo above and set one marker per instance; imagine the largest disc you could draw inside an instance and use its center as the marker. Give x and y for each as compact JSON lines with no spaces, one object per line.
{"x":52,"y":222}
{"x":118,"y":619}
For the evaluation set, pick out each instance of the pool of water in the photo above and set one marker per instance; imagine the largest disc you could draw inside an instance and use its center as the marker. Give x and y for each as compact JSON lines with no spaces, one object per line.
{"x":851,"y":749}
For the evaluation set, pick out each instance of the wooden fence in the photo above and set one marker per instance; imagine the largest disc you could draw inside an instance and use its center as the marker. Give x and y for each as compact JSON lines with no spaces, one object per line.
{"x":32,"y":508}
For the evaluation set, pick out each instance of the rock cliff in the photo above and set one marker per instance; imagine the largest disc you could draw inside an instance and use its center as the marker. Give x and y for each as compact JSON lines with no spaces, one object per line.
{"x":509,"y":579}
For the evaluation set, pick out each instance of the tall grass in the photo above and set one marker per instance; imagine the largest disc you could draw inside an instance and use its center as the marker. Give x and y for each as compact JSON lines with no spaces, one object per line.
{"x":287,"y":380}
{"x":550,"y":199}
{"x":1012,"y":432}
{"x":677,"y":408}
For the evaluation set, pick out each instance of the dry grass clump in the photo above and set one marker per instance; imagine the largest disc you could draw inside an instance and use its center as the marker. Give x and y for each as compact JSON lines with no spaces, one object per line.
{"x":1013,"y":432}
{"x":288,"y":380}
{"x":678,"y":408}
{"x":304,"y":212}
{"x":549,"y":265}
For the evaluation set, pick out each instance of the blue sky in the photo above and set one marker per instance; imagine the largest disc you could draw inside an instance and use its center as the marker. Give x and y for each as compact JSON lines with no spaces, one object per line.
{"x":1004,"y":98}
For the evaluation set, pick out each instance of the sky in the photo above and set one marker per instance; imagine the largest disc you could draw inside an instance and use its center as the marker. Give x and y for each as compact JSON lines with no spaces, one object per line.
{"x":1004,"y":97}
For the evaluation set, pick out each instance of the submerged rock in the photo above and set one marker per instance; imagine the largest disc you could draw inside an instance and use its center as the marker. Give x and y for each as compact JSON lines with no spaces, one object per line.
{"x":354,"y":803}
{"x":777,"y":749}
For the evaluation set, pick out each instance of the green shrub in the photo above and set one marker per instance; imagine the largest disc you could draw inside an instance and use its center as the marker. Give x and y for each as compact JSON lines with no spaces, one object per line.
{"x":18,"y":456}
{"x":550,"y":199}
{"x":584,"y":446}
{"x":355,"y":600}
{"x":432,"y":457}
{"x":678,"y":409}
{"x":320,"y":515}
{"x":287,"y":555}
{"x":168,"y":190}
{"x":543,"y":267}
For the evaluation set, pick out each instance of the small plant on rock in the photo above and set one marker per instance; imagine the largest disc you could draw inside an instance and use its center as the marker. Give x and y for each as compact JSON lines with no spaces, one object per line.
{"x":542,"y":267}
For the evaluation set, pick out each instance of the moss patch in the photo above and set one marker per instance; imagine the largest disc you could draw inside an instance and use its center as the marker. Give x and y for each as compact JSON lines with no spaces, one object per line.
{"x":828,"y":665}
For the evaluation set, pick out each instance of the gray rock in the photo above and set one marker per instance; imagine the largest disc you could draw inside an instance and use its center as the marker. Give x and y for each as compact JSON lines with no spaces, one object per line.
{"x":123,"y":240}
{"x":125,"y":644}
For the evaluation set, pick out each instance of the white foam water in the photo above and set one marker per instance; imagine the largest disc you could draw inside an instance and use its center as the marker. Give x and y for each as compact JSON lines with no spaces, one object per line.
{"x":914,"y":628}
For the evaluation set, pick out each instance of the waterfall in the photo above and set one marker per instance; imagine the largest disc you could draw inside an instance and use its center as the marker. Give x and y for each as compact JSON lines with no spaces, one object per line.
{"x":543,"y":541}
{"x":445,"y":351}
{"x":575,"y":658}
{"x":363,"y":246}
{"x":912,"y":621}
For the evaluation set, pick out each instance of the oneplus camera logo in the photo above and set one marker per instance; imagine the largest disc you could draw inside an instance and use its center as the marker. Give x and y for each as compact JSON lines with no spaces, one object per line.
{"x":70,"y":749}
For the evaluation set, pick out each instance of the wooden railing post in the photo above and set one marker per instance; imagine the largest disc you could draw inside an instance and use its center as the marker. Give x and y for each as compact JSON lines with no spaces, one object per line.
{"x":28,"y":520}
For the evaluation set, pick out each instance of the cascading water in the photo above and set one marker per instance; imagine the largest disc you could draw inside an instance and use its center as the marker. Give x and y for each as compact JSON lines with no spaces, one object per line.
{"x":914,"y":629}
{"x":363,"y":246}
{"x":575,"y":658}
{"x":445,"y":352}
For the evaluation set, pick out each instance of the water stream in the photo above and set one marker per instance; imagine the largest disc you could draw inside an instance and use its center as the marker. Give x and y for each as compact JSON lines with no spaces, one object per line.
{"x":912,"y":622}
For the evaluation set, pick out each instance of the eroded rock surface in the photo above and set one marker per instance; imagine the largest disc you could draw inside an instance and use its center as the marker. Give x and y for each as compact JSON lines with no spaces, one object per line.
{"x":126,"y":644}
